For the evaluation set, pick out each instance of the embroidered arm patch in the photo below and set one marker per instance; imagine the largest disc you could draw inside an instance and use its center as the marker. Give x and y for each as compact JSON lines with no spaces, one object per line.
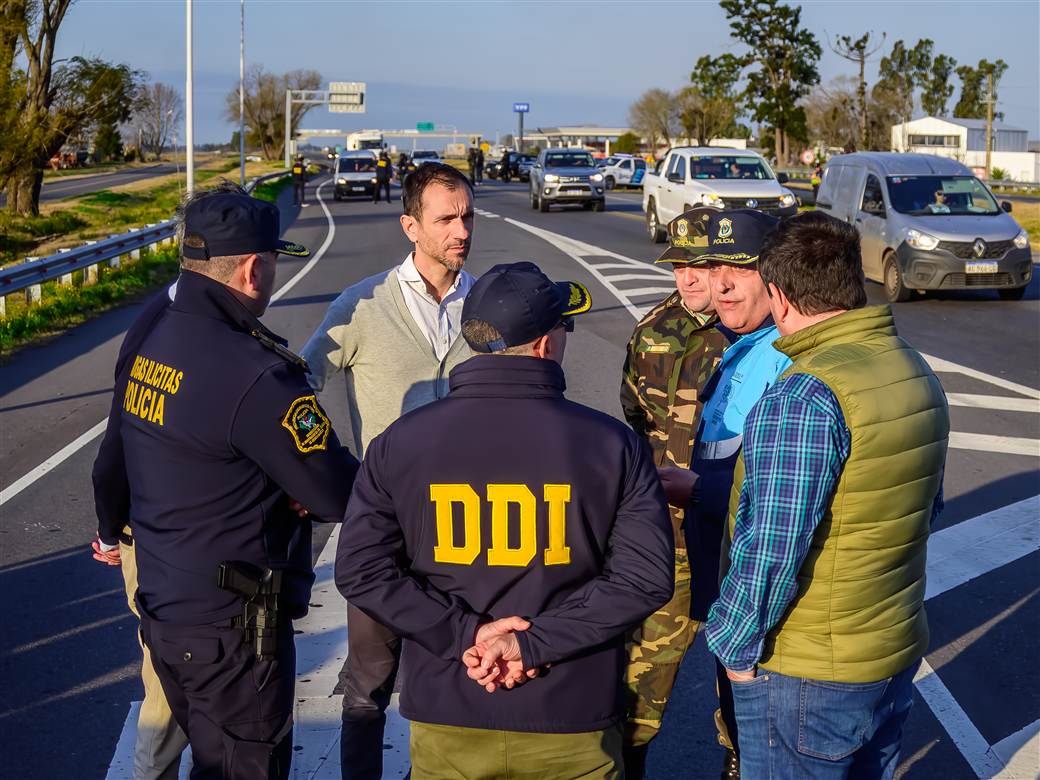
{"x":307,"y":424}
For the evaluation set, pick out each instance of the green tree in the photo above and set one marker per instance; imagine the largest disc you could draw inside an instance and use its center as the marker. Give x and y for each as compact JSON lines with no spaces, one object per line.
{"x":902,"y":72}
{"x":626,"y":143}
{"x":785,"y":55}
{"x":654,"y":116}
{"x":858,"y":51}
{"x":937,"y":86}
{"x":710,"y":106}
{"x":972,"y":102}
{"x":265,"y":106}
{"x":107,"y":143}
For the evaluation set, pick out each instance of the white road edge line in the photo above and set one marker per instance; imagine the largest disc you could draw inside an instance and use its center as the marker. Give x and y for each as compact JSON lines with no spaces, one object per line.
{"x":939,"y":364}
{"x":998,"y":403}
{"x":985,"y":442}
{"x":82,"y":441}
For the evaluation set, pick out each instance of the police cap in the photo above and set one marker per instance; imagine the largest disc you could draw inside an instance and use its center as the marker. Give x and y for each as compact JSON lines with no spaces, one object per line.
{"x":687,"y":237}
{"x":233,"y":223}
{"x":521,"y":303}
{"x":736,"y":237}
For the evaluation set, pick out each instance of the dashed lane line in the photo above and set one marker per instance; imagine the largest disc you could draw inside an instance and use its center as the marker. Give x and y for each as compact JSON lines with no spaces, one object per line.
{"x":84,"y":439}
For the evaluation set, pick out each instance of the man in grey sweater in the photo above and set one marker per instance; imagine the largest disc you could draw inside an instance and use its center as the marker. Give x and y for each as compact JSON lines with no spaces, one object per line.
{"x":396,"y":336}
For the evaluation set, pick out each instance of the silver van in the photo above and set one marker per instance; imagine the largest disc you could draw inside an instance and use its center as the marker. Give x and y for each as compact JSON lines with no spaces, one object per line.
{"x":355,"y":174}
{"x":926,"y":223}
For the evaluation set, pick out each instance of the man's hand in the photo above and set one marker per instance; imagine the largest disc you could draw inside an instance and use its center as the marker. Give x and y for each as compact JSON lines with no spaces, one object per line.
{"x":497,"y":663}
{"x":678,"y":484}
{"x":740,"y":676}
{"x":111,"y":557}
{"x":488,"y":631}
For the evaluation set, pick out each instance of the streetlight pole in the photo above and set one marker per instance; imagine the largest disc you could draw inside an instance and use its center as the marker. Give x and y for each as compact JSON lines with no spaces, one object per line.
{"x":189,"y":114}
{"x":242,"y":94}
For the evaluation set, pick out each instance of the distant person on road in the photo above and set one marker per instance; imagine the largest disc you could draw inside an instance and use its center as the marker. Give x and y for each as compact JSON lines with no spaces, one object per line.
{"x":749,"y":366}
{"x":504,"y":168}
{"x":384,"y":170}
{"x":159,"y":742}
{"x":299,"y":177}
{"x":217,"y":436}
{"x":398,"y":335}
{"x":471,"y":159}
{"x":671,"y":354}
{"x":402,"y":168}
{"x":820,"y":620}
{"x":480,"y":165}
{"x":558,"y":517}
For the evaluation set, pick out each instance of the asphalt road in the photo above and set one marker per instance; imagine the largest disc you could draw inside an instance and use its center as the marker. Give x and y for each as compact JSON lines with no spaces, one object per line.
{"x":68,"y":655}
{"x":56,"y":189}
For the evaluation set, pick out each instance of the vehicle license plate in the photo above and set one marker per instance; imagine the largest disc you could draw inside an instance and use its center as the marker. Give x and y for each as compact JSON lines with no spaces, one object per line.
{"x":980,"y":268}
{"x":578,"y":192}
{"x":357,"y":189}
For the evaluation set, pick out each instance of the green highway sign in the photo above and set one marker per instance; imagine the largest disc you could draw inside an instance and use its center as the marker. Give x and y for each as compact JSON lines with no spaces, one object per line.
{"x":424,"y":127}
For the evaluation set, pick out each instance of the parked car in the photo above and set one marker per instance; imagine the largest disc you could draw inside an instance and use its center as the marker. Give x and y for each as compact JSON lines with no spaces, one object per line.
{"x":926,"y":223}
{"x":623,"y":170}
{"x":519,"y":166}
{"x":566,"y":176}
{"x":524,"y":165}
{"x":355,"y":174}
{"x":711,"y":176}
{"x":424,"y":156}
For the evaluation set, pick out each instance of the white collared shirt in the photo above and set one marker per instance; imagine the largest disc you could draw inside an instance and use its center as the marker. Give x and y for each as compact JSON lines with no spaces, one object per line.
{"x":441,"y":323}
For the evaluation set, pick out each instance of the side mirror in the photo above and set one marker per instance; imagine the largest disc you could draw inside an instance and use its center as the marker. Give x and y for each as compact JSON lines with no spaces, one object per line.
{"x":1006,"y":205}
{"x":675,"y":177}
{"x":783,"y":178}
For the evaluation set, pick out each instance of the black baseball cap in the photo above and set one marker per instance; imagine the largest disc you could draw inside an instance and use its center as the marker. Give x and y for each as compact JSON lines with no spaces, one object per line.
{"x":688,"y":237}
{"x":522,"y":304}
{"x":233,"y":223}
{"x":735,"y":237}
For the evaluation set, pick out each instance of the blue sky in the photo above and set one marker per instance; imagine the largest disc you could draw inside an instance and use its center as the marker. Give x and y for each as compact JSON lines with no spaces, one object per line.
{"x":464,"y":63}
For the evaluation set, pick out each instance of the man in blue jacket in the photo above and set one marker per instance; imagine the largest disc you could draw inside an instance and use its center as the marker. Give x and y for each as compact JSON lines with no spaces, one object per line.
{"x":532,"y":531}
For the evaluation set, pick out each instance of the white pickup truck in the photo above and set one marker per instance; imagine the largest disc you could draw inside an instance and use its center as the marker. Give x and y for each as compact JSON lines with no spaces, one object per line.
{"x":692,"y":176}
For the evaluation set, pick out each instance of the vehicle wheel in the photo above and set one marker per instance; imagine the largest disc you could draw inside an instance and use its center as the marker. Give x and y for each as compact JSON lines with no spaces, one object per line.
{"x":610,"y":182}
{"x":599,"y":205}
{"x":543,"y":204}
{"x":534,"y":200}
{"x":653,"y":226}
{"x":1012,"y":293}
{"x":895,"y":290}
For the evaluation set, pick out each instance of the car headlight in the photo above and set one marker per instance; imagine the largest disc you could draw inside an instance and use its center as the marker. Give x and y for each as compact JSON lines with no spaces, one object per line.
{"x":373,"y":180}
{"x":1021,"y":240}
{"x":341,"y":181}
{"x":550,"y":177}
{"x":787,"y":199}
{"x":919,"y":240}
{"x":596,"y":177}
{"x":714,"y":201}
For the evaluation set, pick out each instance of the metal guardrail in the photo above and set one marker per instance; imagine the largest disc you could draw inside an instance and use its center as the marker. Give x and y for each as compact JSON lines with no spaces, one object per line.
{"x":35,"y":271}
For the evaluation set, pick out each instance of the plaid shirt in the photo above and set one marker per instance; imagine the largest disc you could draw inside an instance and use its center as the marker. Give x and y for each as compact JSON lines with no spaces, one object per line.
{"x":796,"y":443}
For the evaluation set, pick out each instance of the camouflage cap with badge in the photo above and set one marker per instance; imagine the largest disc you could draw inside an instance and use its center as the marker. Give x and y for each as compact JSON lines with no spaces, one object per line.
{"x":736,"y":237}
{"x":688,"y":237}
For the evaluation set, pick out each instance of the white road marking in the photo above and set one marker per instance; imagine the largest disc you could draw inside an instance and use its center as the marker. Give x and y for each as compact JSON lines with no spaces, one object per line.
{"x":82,"y":441}
{"x":1020,"y":753}
{"x":938,"y":364}
{"x":985,"y":442}
{"x":996,"y":402}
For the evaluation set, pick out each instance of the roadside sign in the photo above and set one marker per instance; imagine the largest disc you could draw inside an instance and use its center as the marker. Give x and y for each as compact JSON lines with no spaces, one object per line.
{"x":424,"y":127}
{"x":347,"y":97}
{"x":485,"y":147}
{"x":808,"y":157}
{"x":521,"y":108}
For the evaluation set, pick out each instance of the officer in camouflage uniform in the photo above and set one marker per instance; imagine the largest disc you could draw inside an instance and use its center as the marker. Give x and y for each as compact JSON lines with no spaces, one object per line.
{"x":671,"y":355}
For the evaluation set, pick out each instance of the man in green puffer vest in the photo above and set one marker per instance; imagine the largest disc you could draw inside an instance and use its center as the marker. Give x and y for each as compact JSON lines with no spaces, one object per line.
{"x":820,"y":620}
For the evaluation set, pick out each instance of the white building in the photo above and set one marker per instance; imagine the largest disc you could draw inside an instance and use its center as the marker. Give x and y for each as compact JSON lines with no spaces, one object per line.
{"x":965,"y":140}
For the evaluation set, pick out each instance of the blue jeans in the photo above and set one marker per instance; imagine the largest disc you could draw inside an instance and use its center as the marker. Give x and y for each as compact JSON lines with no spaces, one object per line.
{"x":796,"y":729}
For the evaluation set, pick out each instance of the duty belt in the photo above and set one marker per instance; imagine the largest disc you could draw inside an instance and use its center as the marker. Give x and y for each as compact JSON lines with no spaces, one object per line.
{"x":719,"y":450}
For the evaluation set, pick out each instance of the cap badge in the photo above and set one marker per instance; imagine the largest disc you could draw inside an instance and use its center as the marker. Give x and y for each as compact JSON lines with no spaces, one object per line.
{"x":725,"y":228}
{"x":682,"y":227}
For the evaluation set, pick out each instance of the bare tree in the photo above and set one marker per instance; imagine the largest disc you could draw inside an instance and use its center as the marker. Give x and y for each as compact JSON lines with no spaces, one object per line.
{"x":858,"y":51}
{"x":831,"y":115}
{"x":654,"y":116}
{"x":157,"y":113}
{"x":265,"y":106}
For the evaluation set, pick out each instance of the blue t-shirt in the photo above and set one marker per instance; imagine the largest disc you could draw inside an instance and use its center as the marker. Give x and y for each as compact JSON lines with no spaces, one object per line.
{"x":749,"y":367}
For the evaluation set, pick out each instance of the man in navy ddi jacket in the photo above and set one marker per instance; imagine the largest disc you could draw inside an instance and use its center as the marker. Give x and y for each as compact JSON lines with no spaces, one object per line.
{"x":522,"y":531}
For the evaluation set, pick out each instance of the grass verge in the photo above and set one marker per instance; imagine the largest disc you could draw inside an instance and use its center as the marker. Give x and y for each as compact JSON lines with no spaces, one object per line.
{"x":65,"y":306}
{"x":1028,"y":216}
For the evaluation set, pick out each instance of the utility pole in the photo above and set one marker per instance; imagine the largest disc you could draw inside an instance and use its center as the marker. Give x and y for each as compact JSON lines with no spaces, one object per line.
{"x":242,"y":94}
{"x":989,"y":122}
{"x":189,"y":114}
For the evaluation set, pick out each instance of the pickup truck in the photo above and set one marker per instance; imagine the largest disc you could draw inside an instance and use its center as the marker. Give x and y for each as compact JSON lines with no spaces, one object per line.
{"x":692,"y":176}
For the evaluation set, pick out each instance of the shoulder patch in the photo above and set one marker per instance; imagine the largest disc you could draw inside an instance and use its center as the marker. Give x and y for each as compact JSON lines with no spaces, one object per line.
{"x":307,"y":424}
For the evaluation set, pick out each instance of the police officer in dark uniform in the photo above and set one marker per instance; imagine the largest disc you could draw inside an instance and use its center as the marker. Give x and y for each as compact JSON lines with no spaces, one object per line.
{"x":383,"y":171}
{"x":226,"y":454}
{"x":299,"y":180}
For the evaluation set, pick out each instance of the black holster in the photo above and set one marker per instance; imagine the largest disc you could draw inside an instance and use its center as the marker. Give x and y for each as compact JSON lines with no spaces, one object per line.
{"x":259,"y":589}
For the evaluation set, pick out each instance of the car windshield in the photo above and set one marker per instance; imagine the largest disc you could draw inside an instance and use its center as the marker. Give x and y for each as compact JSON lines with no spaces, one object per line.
{"x":356,"y":165}
{"x":569,"y":160}
{"x":728,"y":167}
{"x":928,"y":195}
{"x":609,"y":161}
